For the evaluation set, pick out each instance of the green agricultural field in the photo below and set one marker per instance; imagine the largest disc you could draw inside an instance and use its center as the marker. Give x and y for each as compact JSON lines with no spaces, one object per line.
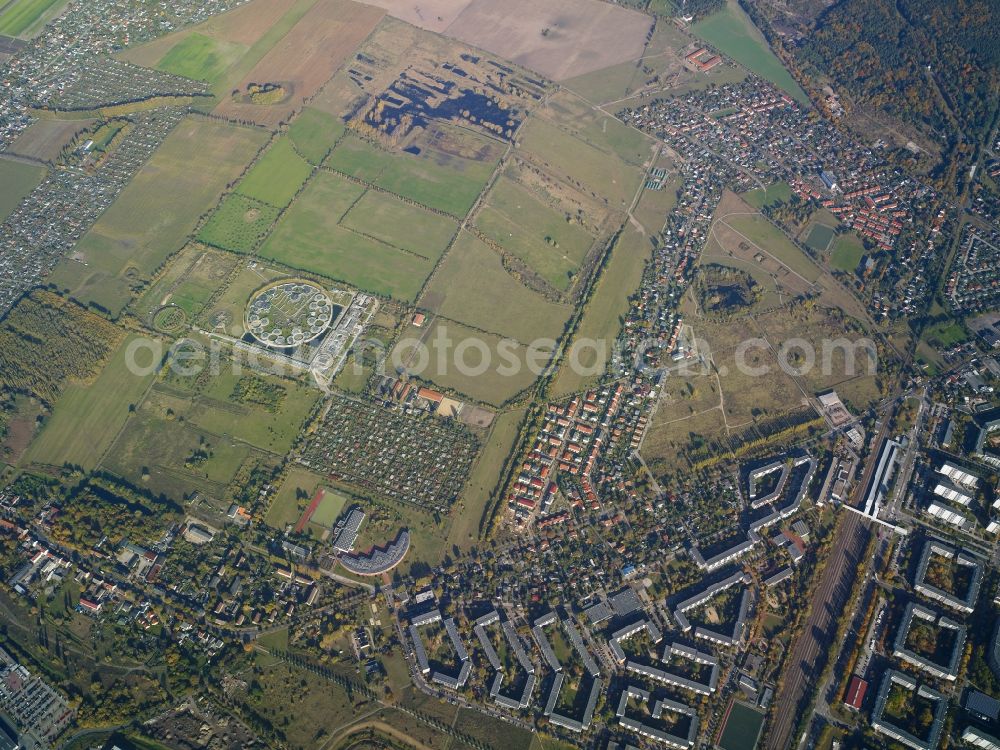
{"x":779,"y":192}
{"x":772,"y":240}
{"x":731,"y":31}
{"x":86,"y":418}
{"x":309,"y":237}
{"x":239,"y":224}
{"x":472,"y":287}
{"x":201,"y":57}
{"x":580,"y":163}
{"x":277,"y":176}
{"x":540,"y":236}
{"x":447,"y":183}
{"x":848,"y":249}
{"x":17,"y":180}
{"x":604,"y":313}
{"x":404,"y":226}
{"x":314,"y":133}
{"x":20,"y":15}
{"x":156,"y":213}
{"x":292,"y":497}
{"x":505,"y":371}
{"x":472,"y":505}
{"x":158,"y":452}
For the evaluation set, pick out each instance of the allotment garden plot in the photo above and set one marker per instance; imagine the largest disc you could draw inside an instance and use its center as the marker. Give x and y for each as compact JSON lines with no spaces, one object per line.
{"x":423,"y":461}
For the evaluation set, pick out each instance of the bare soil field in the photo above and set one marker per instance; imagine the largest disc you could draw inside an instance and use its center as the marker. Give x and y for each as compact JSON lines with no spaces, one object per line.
{"x":305,"y":58}
{"x":44,"y":139}
{"x":559,"y":39}
{"x":432,"y":15}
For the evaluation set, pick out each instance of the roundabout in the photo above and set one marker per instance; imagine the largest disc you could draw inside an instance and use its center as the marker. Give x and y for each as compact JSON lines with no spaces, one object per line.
{"x":289,"y":313}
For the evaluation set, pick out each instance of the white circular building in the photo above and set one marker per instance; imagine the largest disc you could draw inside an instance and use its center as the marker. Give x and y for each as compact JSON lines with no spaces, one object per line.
{"x":289,"y":313}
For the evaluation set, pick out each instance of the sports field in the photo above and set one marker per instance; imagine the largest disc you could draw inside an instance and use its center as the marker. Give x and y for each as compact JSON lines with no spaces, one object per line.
{"x":731,"y":31}
{"x":17,"y":180}
{"x":21,"y":15}
{"x":472,"y":287}
{"x":545,"y":239}
{"x":310,"y":237}
{"x":87,"y":417}
{"x":154,"y":215}
{"x":742,"y":730}
{"x":447,"y":183}
{"x":329,"y":508}
{"x":819,"y":238}
{"x":292,"y":497}
{"x":277,"y":176}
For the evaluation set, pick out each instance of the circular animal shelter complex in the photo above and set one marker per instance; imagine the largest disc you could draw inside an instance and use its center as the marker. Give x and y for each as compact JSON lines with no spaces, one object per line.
{"x":289,"y":313}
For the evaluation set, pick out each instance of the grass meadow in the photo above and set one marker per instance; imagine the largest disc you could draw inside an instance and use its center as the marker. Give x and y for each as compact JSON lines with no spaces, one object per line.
{"x":537,"y":234}
{"x":201,"y":57}
{"x":472,"y":287}
{"x":277,"y":176}
{"x":158,"y":210}
{"x":17,"y":180}
{"x":848,"y":249}
{"x":446,"y":183}
{"x":314,"y":133}
{"x":404,"y":226}
{"x":605,"y":311}
{"x":87,"y":417}
{"x":732,"y":31}
{"x":310,"y":237}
